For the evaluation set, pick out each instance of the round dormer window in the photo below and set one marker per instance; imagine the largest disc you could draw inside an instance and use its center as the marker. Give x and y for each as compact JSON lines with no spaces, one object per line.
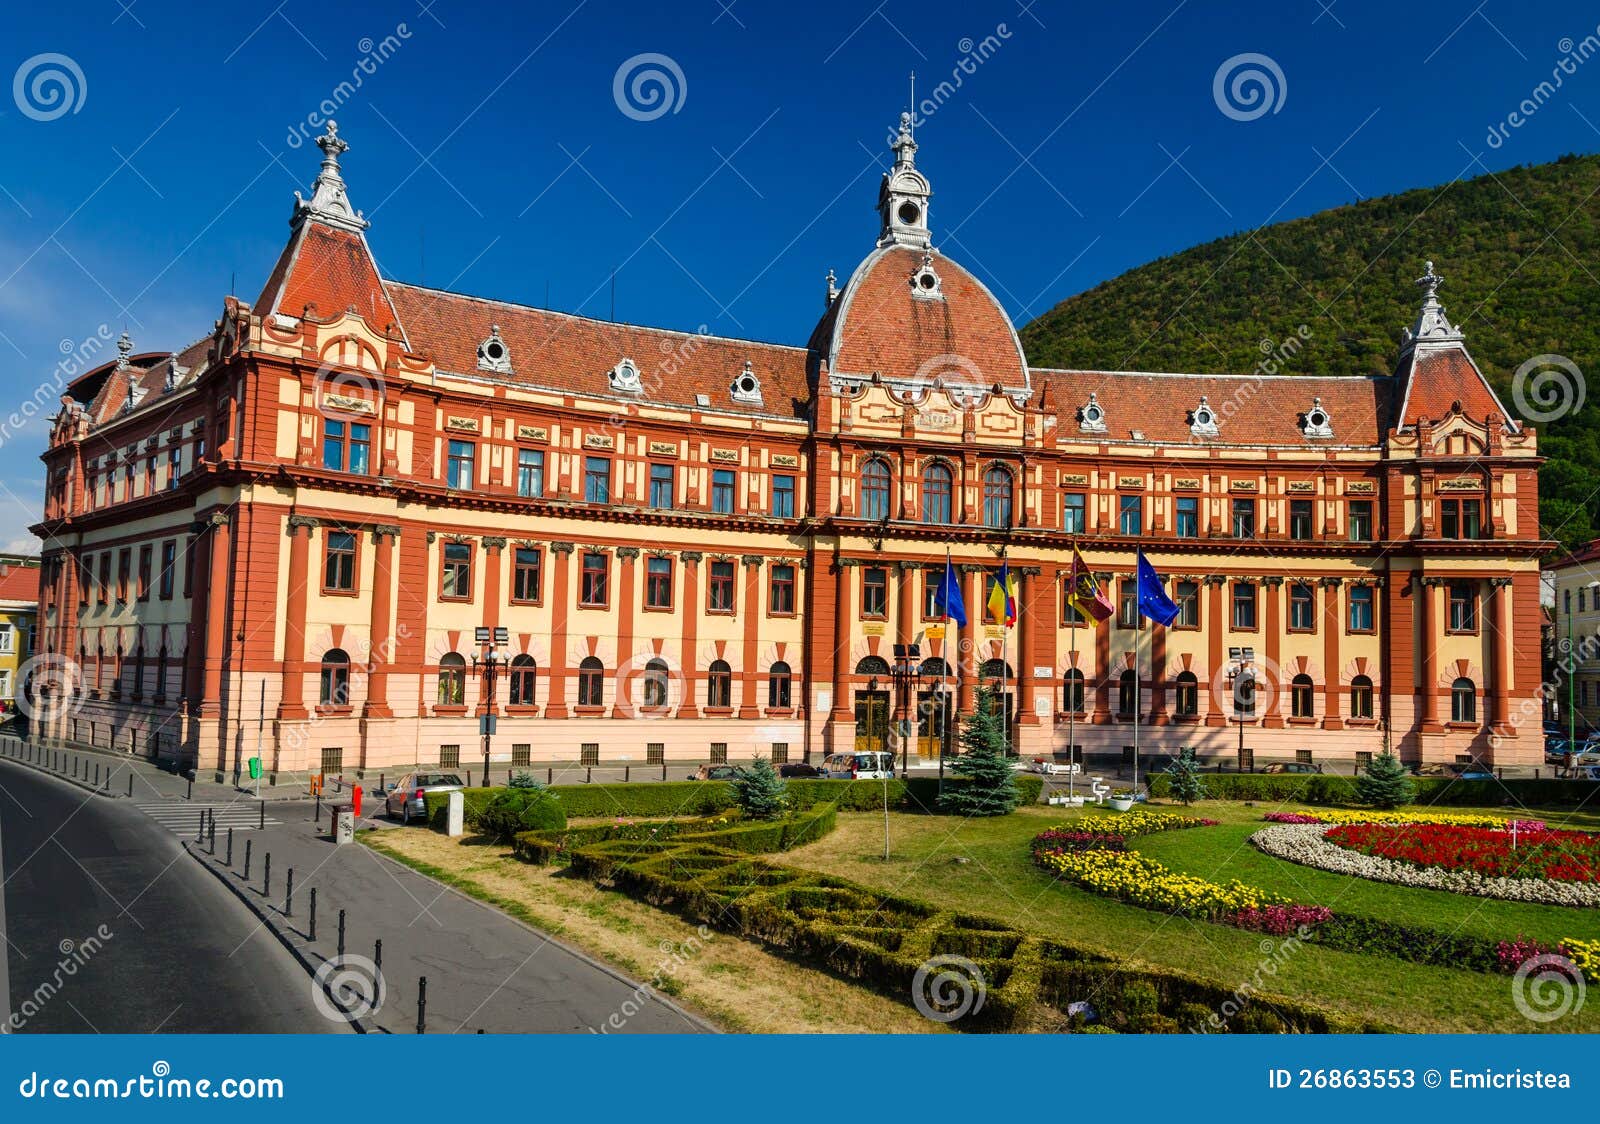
{"x":1317,"y":419}
{"x":494,"y":350}
{"x":1202,"y":417}
{"x":928,"y":281}
{"x":747,"y":384}
{"x":1092,"y":414}
{"x":909,"y":213}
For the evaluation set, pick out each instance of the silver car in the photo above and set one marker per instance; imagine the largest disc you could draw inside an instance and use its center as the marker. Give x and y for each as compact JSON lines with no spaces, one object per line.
{"x":406,"y":799}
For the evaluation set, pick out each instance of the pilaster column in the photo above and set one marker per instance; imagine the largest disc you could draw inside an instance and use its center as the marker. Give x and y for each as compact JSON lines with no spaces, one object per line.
{"x":628,"y":679}
{"x":1429,"y":591}
{"x":1214,"y":622}
{"x":1101,"y":714}
{"x":905,"y":597}
{"x":844,"y":615}
{"x":381,"y":654}
{"x":967,"y":649}
{"x":1027,"y":629}
{"x":691,"y":624}
{"x":494,"y":548}
{"x":1332,"y":672}
{"x":1272,"y":594}
{"x":291,"y":705}
{"x":560,"y":610}
{"x":1500,"y":657}
{"x":749,"y":705}
{"x":217,"y":591}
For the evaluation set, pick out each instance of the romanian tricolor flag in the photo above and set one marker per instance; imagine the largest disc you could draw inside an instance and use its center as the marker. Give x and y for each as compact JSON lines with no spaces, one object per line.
{"x":1083,"y":592}
{"x":1003,"y":597}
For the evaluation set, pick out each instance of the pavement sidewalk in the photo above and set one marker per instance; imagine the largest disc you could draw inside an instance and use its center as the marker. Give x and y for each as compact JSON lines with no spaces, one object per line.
{"x":485,"y":970}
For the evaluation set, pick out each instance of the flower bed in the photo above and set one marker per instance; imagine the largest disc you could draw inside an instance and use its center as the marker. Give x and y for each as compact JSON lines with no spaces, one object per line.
{"x":1304,"y":844}
{"x":1111,"y":832}
{"x":1405,"y":816}
{"x":1561,"y":856}
{"x":1140,"y":880}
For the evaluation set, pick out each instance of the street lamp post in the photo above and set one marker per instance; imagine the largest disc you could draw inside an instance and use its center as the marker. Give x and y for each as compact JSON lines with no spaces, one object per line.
{"x":907,"y":677}
{"x":1241,"y":677}
{"x":491,"y":657}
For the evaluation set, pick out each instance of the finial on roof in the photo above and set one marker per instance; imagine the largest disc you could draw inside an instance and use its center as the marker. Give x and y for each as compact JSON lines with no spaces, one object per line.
{"x":124,"y":349}
{"x":905,"y":145}
{"x":1432,"y":325}
{"x":328,"y":203}
{"x":833,"y":289}
{"x":903,"y":196}
{"x":171,"y":383}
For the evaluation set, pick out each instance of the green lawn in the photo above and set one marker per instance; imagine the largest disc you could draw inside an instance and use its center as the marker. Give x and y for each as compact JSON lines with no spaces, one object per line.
{"x":999,"y":880}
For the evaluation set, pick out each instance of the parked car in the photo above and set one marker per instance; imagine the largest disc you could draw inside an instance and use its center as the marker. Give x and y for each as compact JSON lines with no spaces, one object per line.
{"x":1472,"y":772}
{"x":799,"y":769}
{"x":1291,"y":767}
{"x":866,"y":765}
{"x":406,"y":798}
{"x":714,"y":773}
{"x":1556,"y":750}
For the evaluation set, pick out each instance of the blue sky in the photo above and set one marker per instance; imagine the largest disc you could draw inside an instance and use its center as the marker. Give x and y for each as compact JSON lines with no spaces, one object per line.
{"x":492,"y":156}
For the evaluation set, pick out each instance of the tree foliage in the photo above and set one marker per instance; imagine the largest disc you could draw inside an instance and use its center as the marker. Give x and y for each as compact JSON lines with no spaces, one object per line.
{"x":1184,"y":777}
{"x":1385,"y":784}
{"x":991,"y":788}
{"x":758,"y":790}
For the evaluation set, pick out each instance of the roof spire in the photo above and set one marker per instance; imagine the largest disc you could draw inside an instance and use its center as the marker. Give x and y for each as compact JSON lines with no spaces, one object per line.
{"x":124,"y":349}
{"x":903,"y":196}
{"x":1432,"y":325}
{"x":328,"y":203}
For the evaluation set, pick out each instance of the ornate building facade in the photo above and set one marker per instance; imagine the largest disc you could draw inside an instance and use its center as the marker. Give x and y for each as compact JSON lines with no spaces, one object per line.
{"x":285,"y":538}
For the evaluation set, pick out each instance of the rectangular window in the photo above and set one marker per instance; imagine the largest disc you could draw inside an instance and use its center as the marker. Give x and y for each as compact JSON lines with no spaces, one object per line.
{"x":1128,"y":605}
{"x":723,"y":484}
{"x":719,"y":753}
{"x":456,"y":579}
{"x":661,"y":487}
{"x":658,"y":583}
{"x":169,"y":562}
{"x":655,"y":753}
{"x":875,"y":592}
{"x":174,"y":466}
{"x":1361,"y":608}
{"x":521,"y":755}
{"x":127,"y":481}
{"x":105,"y":577}
{"x":332,"y":760}
{"x":1302,"y":608}
{"x":460,"y":473}
{"x":719,"y":597}
{"x":1244,"y":519}
{"x":780,"y":596}
{"x":150,"y":475}
{"x":780,"y":753}
{"x":783,"y":496}
{"x":597,"y":479}
{"x":1244,"y":606}
{"x":1187,"y":523}
{"x":1074,"y":512}
{"x":530,"y":473}
{"x":1461,"y":519}
{"x":450,"y":756}
{"x":589,"y":753}
{"x":346,"y":448}
{"x":1299,"y":519}
{"x":1360,"y":515}
{"x":1188,"y":599}
{"x":592,"y":586}
{"x":146,"y":560}
{"x":339,"y":562}
{"x":1131,"y":514}
{"x":525,"y":575}
{"x":1463,"y":607}
{"x":124,"y":572}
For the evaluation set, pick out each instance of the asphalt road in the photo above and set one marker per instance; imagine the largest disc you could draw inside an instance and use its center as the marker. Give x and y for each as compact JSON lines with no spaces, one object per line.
{"x":156,"y":943}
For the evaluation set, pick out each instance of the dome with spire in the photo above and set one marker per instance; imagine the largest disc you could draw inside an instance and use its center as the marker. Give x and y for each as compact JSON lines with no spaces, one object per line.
{"x":909,"y":314}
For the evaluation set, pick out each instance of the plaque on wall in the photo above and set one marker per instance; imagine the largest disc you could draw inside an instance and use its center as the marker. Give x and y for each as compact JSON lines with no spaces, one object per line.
{"x":1302,"y":486}
{"x":346,"y":403}
{"x":1460,"y":484}
{"x":1185,"y":484}
{"x":785,"y":460}
{"x":599,"y":441}
{"x":663,"y":448}
{"x":872,"y":628}
{"x":1075,"y":478}
{"x":1242,"y":486}
{"x":1130,"y":481}
{"x":1360,"y":488}
{"x":533,"y":433}
{"x":470,"y":425}
{"x":725,"y":456}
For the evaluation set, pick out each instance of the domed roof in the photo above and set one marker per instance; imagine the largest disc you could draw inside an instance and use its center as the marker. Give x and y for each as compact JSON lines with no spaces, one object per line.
{"x":912,"y":315}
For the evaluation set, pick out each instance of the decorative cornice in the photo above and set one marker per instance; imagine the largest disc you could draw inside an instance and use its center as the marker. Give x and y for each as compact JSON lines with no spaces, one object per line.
{"x":627,"y":553}
{"x":562,"y":547}
{"x":753,"y":559}
{"x":691,"y":556}
{"x":308,"y":521}
{"x":1272,"y":581}
{"x":382,"y":529}
{"x":494,"y":542}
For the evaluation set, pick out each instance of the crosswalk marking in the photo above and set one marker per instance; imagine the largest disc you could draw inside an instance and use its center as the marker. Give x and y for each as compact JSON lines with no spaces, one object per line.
{"x":183,"y":818}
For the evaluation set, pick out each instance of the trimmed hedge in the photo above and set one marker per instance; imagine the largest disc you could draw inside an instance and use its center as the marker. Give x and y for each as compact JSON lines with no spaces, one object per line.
{"x":750,"y":837}
{"x":1330,"y":788}
{"x":517,"y":810}
{"x":473,"y":801}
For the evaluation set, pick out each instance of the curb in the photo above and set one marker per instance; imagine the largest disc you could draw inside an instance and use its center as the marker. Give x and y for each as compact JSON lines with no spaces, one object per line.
{"x":300,"y":948}
{"x":579,"y":953}
{"x":64,"y":778}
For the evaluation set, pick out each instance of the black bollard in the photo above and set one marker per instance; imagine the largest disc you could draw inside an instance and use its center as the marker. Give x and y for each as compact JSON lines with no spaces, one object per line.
{"x":422,"y":1004}
{"x":627,"y":773}
{"x":190,"y":796}
{"x":211,"y":833}
{"x":317,"y":816}
{"x":247,"y":860}
{"x":341,"y":934}
{"x":663,"y":770}
{"x":588,"y":776}
{"x":130,"y":784}
{"x":550,"y":776}
{"x":288,"y":896}
{"x":377,"y":955}
{"x":263,"y":809}
{"x":469,"y":778}
{"x":200,"y":835}
{"x":266,"y":875}
{"x":230,"y":846}
{"x":311,"y":933}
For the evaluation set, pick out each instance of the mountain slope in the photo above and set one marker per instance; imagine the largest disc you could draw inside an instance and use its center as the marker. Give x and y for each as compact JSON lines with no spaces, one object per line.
{"x":1520,"y":254}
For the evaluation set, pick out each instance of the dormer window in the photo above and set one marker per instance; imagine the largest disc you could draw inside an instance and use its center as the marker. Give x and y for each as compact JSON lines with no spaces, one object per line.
{"x":493,"y":355}
{"x":1092,"y":418}
{"x":1203,"y":419}
{"x":925,"y":282}
{"x":625,"y":378}
{"x":747,"y":388}
{"x":1315,"y":422}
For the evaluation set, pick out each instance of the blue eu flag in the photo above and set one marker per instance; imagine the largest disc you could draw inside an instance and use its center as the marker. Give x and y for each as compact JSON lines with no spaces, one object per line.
{"x":947,"y":598}
{"x":1153,"y":600}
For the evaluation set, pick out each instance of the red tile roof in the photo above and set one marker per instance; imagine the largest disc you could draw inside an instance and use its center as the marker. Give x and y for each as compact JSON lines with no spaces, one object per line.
{"x":574,"y":354}
{"x":1249,"y":410}
{"x":331,"y":270}
{"x":148,"y":373}
{"x":1438,"y":380}
{"x":19,"y":583}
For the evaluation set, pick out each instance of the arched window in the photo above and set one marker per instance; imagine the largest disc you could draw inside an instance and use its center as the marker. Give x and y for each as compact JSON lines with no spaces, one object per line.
{"x":655,"y":685}
{"x":875,"y":489}
{"x":1361,"y":697}
{"x":1302,"y":702}
{"x":873,"y":665}
{"x":335,"y":689}
{"x":995,"y":670}
{"x":1463,"y":701}
{"x":719,"y":685}
{"x":938,"y":483}
{"x":1127,"y":695}
{"x":934,"y":668}
{"x":997,"y":497}
{"x":1186,"y":695}
{"x":1072,"y":691}
{"x":524,"y":676}
{"x":452,"y":680}
{"x":778,"y":686}
{"x":591,"y":682}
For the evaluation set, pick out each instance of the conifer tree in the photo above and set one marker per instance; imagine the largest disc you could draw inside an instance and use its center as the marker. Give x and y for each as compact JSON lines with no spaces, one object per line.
{"x":758,"y":790}
{"x":1183,"y":777}
{"x":1385,"y":784}
{"x":988,"y":785}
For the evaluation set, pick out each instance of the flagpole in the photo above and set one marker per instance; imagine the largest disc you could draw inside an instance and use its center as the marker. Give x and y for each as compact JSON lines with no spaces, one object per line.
{"x":1138,"y":688}
{"x":944,"y":671}
{"x":1072,"y":691}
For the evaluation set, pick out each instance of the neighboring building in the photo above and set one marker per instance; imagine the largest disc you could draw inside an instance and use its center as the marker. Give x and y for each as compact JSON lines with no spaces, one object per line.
{"x":19,"y":609}
{"x":1575,"y":617}
{"x":286,"y":533}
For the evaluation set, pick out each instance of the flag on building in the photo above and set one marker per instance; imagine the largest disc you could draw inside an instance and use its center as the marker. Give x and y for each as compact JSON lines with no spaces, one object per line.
{"x":1083,"y":592}
{"x":947,"y":598}
{"x":1003,"y":597}
{"x":1153,"y":600}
